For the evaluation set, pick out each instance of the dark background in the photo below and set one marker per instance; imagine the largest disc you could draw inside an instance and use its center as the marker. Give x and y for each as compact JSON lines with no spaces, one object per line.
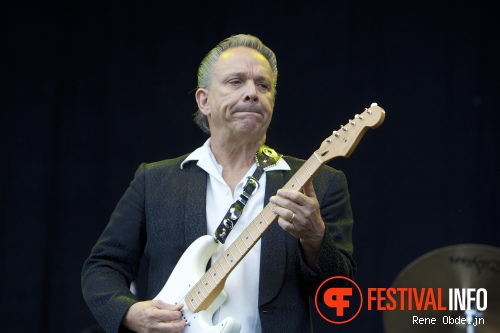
{"x":91,"y":89}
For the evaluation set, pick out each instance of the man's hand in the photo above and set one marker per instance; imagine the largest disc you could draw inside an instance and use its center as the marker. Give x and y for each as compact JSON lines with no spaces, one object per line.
{"x":299,"y":214}
{"x":154,"y":316}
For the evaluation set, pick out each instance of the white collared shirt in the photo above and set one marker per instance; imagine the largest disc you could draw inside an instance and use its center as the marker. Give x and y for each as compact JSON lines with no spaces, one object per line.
{"x":242,"y":285}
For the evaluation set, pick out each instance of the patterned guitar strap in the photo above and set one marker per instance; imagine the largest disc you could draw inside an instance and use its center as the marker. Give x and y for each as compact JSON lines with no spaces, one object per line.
{"x":265,"y":158}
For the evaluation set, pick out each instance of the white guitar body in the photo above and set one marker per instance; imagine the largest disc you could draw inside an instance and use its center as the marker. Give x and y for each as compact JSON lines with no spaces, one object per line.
{"x":190,"y":268}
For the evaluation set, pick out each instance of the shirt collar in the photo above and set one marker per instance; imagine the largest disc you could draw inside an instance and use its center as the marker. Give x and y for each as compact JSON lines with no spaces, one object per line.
{"x":206,"y":160}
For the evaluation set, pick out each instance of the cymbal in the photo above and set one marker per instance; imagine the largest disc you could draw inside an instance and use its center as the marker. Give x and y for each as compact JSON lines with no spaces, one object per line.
{"x":456,"y":269}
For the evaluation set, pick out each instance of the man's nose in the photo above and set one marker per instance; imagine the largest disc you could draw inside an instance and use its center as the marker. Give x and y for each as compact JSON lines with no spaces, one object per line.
{"x":251,"y":91}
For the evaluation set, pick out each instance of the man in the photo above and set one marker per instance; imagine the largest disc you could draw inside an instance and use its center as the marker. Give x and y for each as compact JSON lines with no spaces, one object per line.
{"x":171,"y":203}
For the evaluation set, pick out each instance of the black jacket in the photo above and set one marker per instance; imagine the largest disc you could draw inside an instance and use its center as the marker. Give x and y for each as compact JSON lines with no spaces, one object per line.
{"x":163,"y":212}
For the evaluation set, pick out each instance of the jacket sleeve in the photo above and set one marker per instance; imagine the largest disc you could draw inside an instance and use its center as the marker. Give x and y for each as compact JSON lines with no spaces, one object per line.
{"x":335,"y":257}
{"x":114,"y":260}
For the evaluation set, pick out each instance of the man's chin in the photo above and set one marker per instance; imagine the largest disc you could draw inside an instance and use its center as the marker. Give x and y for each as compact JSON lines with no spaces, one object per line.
{"x":252,"y":128}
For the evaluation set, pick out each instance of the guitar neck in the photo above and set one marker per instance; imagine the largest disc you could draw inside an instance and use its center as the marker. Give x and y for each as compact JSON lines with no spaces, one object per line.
{"x":209,"y":286}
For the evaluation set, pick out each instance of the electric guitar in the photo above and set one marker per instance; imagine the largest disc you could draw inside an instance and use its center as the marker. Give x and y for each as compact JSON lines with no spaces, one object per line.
{"x":201,"y":290}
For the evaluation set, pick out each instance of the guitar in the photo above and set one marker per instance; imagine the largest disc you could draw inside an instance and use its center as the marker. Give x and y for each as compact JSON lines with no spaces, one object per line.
{"x":201,"y":290}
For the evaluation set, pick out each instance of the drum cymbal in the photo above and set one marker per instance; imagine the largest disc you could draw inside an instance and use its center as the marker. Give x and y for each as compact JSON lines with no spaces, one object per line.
{"x":459,"y":269}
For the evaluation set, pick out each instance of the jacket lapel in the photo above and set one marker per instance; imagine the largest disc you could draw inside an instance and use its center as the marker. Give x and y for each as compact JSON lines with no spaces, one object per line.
{"x":273,"y":253}
{"x":195,"y":222}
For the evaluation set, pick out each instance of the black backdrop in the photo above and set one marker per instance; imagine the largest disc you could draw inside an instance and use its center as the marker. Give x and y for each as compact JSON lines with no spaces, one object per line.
{"x":91,"y":89}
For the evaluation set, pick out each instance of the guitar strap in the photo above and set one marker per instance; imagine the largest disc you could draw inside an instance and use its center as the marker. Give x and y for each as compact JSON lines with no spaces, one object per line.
{"x":265,"y":158}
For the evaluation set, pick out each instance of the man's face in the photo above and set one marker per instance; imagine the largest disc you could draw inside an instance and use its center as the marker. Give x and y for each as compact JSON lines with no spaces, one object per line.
{"x":240,"y":99}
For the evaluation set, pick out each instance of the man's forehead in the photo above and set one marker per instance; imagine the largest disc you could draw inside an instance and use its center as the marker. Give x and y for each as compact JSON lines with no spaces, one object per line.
{"x":242,"y":55}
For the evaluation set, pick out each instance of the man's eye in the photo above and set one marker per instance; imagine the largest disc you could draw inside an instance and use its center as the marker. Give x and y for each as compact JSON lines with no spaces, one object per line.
{"x":235,"y":82}
{"x":263,"y":85}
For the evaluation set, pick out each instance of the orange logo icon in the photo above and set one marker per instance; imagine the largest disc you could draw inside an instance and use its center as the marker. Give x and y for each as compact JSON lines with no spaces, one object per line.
{"x":339,"y":298}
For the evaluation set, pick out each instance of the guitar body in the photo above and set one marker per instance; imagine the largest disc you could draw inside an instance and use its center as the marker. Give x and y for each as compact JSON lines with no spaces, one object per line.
{"x":190,"y":268}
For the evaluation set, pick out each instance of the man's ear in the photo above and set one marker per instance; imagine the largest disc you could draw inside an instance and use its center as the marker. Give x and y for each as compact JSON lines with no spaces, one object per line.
{"x":201,"y":96}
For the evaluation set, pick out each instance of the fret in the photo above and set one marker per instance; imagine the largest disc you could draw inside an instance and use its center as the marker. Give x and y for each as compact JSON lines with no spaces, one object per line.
{"x":292,"y":185}
{"x":217,"y":274}
{"x":213,"y":274}
{"x":302,"y":176}
{"x":298,"y":181}
{"x":206,"y":282}
{"x":229,"y":259}
{"x":193,"y":298}
{"x":312,"y":164}
{"x":190,"y":304}
{"x":227,"y":262}
{"x":307,"y":169}
{"x":268,"y":214}
{"x":239,"y":241}
{"x":246,"y":239}
{"x":263,"y":217}
{"x":221,"y":264}
{"x":201,"y":288}
{"x":235,"y":253}
{"x":317,"y":157}
{"x":190,"y":300}
{"x":199,"y":293}
{"x":254,"y":232}
{"x":257,"y":226}
{"x":306,"y":172}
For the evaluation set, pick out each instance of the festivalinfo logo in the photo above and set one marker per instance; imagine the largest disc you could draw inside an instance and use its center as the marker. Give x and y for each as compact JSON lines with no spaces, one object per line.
{"x":342,"y":304}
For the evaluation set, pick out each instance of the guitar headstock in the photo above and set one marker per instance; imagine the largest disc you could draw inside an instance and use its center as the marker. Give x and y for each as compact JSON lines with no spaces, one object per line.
{"x":343,"y":141}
